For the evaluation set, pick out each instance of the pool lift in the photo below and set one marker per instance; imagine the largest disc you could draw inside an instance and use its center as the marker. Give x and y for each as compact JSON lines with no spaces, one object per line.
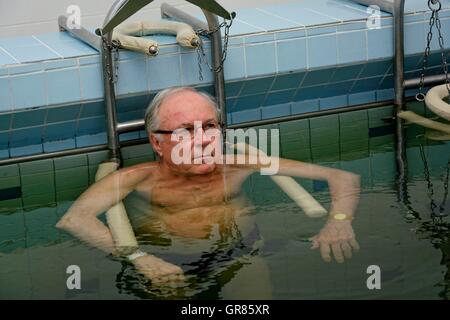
{"x":112,"y":36}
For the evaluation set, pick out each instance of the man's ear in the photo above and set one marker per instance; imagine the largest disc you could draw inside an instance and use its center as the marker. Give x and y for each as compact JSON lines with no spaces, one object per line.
{"x":156,"y":144}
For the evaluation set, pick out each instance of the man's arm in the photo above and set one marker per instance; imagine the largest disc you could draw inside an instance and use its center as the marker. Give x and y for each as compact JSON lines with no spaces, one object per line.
{"x":81,"y":219}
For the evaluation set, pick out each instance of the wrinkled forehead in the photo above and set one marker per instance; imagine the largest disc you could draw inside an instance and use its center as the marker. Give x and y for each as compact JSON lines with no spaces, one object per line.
{"x":185,"y":108}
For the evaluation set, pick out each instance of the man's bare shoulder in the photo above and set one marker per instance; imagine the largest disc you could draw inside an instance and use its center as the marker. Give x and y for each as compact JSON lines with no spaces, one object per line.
{"x":139,"y":172}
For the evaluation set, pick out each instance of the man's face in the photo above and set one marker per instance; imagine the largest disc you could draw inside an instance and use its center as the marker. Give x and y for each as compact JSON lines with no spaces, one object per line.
{"x":184,"y":110}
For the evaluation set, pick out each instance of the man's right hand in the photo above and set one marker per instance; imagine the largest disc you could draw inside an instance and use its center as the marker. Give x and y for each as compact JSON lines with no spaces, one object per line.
{"x":158,"y":270}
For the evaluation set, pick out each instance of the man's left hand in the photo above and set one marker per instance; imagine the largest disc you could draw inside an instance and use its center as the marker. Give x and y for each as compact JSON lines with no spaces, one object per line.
{"x":337,"y":237}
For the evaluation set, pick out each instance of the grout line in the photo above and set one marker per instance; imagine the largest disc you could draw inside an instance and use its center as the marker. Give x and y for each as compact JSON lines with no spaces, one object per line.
{"x":253,"y":26}
{"x":280,"y":17}
{"x":325,"y":15}
{"x":45,"y":45}
{"x":10,"y":55}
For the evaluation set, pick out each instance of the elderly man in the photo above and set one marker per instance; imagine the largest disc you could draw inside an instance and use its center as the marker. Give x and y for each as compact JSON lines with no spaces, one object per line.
{"x":189,"y":200}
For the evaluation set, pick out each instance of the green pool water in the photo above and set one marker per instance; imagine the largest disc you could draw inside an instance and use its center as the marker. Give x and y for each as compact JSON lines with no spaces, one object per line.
{"x":412,"y":250}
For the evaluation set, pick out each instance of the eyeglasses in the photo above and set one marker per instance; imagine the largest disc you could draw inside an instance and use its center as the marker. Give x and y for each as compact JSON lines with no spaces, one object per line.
{"x":190,"y":129}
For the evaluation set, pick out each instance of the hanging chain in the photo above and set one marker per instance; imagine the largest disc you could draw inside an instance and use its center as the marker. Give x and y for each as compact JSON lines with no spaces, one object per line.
{"x":201,"y":55}
{"x":420,"y":96}
{"x":430,"y":188}
{"x":442,"y":48}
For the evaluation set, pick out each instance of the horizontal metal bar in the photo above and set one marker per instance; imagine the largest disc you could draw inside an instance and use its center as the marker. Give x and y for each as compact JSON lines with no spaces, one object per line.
{"x":80,"y":33}
{"x":131,"y":126}
{"x":385,"y":5}
{"x":427,"y":81}
{"x":69,"y":152}
{"x":168,"y":11}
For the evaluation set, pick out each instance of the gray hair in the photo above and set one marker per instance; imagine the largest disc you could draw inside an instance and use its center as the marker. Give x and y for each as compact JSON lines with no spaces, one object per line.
{"x":152,"y":113}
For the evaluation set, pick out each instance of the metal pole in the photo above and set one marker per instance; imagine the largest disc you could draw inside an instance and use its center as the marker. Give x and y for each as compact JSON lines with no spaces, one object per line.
{"x":108,"y":84}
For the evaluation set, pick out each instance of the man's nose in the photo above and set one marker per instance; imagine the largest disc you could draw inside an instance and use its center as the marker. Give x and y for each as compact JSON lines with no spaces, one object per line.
{"x":200,"y":138}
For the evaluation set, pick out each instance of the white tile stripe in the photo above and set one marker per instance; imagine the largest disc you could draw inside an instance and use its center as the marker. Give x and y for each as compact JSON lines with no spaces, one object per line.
{"x":45,"y":45}
{"x":9,"y":54}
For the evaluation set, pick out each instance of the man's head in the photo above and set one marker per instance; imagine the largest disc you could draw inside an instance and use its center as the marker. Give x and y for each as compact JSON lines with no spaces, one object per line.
{"x":180,"y":108}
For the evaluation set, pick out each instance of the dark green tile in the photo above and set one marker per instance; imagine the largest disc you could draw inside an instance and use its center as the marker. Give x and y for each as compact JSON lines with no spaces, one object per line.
{"x":9,"y":171}
{"x":36,"y":167}
{"x":71,"y":162}
{"x":72,"y":178}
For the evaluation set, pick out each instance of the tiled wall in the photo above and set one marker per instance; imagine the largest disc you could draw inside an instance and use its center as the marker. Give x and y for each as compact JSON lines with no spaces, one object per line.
{"x":282,"y":59}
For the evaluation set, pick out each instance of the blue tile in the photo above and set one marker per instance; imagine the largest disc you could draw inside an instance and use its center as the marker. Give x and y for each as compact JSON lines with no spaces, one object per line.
{"x":337,"y":89}
{"x":28,"y":118}
{"x":26,"y":68}
{"x":91,"y":126}
{"x":380,"y":43}
{"x":322,"y":51}
{"x":4,"y":70}
{"x":5,"y":121}
{"x":5,"y":99}
{"x":95,"y":59}
{"x":258,"y":38}
{"x":59,"y":64}
{"x":28,"y":90}
{"x":360,"y":7}
{"x":52,"y":146}
{"x":336,"y":9}
{"x":351,"y":47}
{"x":264,"y":20}
{"x":232,"y":89}
{"x":333,"y":102}
{"x":290,"y":34}
{"x":11,"y":42}
{"x":275,"y":111}
{"x":239,"y":27}
{"x":136,"y":103}
{"x":91,"y":82}
{"x":412,"y":62}
{"x":63,"y":86}
{"x":52,"y":38}
{"x":93,"y":109}
{"x":310,"y":93}
{"x":296,"y":12}
{"x":368,"y":84}
{"x":60,"y":131}
{"x":255,"y":86}
{"x":350,"y":26}
{"x":91,"y":140}
{"x":305,"y":106}
{"x":386,"y":94}
{"x":346,"y":73}
{"x":129,"y":136}
{"x":279,"y":97}
{"x":6,"y":59}
{"x":32,"y":53}
{"x":377,"y":68}
{"x":229,"y":104}
{"x":291,"y":55}
{"x":249,"y":102}
{"x":388,"y":82}
{"x":362,"y":97}
{"x":130,"y":116}
{"x":246,"y":115}
{"x":4,"y":140}
{"x":24,"y":137}
{"x":64,"y":113}
{"x":234,"y":67}
{"x":288,"y":81}
{"x":260,"y":59}
{"x":190,"y":70}
{"x":316,"y":77}
{"x":132,"y":77}
{"x":69,"y":49}
{"x":415,"y":40}
{"x":4,"y":154}
{"x":26,"y":150}
{"x":164,"y":72}
{"x":320,"y":30}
